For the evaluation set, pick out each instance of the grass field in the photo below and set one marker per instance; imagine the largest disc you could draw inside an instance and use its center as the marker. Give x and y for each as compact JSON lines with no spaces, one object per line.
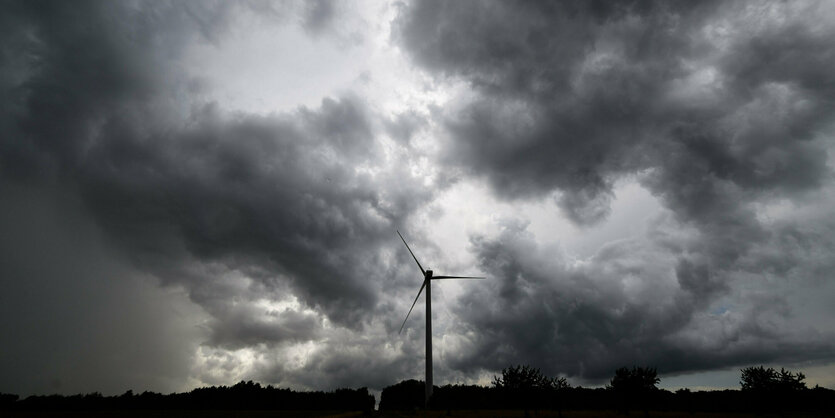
{"x":179,"y":414}
{"x":587,"y":414}
{"x":390,"y":414}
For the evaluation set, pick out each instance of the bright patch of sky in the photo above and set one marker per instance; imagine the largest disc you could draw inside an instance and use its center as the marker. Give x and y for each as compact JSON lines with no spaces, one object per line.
{"x":264,"y":68}
{"x":273,"y":64}
{"x":469,"y":208}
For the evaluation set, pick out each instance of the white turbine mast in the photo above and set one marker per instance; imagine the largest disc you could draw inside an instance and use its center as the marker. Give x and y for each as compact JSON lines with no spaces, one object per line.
{"x":427,"y":284}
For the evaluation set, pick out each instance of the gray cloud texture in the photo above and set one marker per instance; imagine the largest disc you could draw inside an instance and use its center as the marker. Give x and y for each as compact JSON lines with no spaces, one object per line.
{"x":235,"y":208}
{"x":570,"y":96}
{"x":279,"y":227}
{"x":277,"y":192}
{"x":717,"y":109}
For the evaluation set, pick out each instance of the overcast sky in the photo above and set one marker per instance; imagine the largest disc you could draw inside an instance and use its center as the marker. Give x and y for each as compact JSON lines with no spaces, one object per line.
{"x":195,"y":193}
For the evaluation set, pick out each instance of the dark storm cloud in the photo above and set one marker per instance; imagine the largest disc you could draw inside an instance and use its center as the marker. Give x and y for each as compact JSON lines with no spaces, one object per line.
{"x":235,"y":208}
{"x":347,"y":359}
{"x":536,"y":123}
{"x":570,"y":95}
{"x":244,"y":325}
{"x":717,"y":109}
{"x":276,"y":192}
{"x":280,"y":226}
{"x":622,"y":307}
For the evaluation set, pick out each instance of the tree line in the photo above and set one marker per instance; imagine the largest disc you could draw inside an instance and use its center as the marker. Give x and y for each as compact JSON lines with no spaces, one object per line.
{"x":241,"y":396}
{"x":527,"y":388}
{"x":518,"y":387}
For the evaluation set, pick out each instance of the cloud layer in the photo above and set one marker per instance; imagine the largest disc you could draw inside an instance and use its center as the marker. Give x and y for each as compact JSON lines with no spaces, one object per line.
{"x":237,"y":209}
{"x":272,"y":233}
{"x":720,"y":110}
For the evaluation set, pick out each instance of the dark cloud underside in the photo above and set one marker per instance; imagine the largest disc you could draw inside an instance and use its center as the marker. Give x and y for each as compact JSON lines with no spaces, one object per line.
{"x":717,"y":108}
{"x":570,"y":96}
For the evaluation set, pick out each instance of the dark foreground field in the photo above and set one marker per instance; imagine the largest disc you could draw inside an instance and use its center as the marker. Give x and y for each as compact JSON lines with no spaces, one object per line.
{"x":180,"y":414}
{"x":590,"y":414}
{"x":395,"y":414}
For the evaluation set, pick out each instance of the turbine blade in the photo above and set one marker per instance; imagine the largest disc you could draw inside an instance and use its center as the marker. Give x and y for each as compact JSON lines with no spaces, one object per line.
{"x":456,"y":277}
{"x":413,"y":255}
{"x":413,"y":306}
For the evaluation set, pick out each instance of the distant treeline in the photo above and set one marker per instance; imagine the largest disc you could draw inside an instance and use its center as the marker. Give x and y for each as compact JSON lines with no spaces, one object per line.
{"x":242,"y":396}
{"x":523,"y":387}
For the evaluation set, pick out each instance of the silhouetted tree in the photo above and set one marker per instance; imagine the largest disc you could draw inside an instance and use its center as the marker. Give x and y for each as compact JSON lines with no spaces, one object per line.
{"x":768,"y":388}
{"x":406,"y":395}
{"x":791,"y":382}
{"x":816,"y":401}
{"x":521,"y":378}
{"x":525,"y":386}
{"x":559,"y":386}
{"x":242,"y":396}
{"x":7,"y":400}
{"x":760,"y":379}
{"x":450,"y":397}
{"x":637,"y":384}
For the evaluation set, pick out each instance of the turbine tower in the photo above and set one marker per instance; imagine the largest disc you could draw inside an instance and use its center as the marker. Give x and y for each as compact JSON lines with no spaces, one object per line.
{"x":427,"y":283}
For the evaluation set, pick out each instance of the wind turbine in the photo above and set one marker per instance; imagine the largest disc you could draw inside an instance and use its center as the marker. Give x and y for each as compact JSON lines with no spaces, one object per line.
{"x":427,"y":283}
